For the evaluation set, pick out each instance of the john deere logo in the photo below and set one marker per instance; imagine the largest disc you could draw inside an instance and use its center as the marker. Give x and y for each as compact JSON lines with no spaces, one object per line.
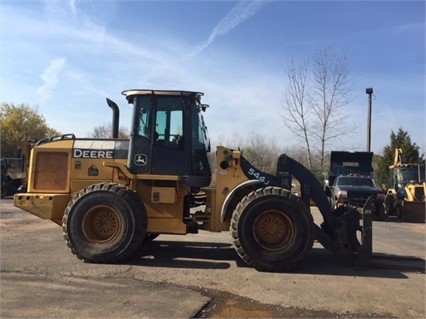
{"x":141,"y":159}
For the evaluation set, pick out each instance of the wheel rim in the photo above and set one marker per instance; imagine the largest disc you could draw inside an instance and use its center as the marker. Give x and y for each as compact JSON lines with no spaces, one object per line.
{"x":273,"y":230}
{"x":101,"y":224}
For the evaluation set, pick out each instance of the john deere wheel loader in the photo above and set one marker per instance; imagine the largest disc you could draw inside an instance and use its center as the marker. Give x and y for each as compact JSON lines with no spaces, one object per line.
{"x":111,"y":196}
{"x":406,"y":199}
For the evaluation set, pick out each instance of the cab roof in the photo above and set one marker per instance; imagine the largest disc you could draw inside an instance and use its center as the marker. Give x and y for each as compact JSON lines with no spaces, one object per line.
{"x":132,"y":92}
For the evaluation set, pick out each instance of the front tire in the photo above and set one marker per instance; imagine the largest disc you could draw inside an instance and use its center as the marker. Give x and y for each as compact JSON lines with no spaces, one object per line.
{"x":379,"y":212}
{"x":105,"y":223}
{"x":272,"y":230}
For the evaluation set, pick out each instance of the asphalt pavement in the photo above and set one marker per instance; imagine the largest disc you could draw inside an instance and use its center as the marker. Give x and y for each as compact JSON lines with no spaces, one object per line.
{"x":178,"y":276}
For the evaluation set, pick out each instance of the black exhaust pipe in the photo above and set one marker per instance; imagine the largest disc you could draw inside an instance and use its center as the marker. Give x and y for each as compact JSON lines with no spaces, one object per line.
{"x":115,"y":117}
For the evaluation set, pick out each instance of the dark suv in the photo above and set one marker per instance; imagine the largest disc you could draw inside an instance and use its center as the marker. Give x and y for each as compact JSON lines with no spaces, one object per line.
{"x":355,"y":190}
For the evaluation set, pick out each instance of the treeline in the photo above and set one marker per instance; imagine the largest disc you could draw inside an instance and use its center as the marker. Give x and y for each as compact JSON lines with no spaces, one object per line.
{"x":20,"y":122}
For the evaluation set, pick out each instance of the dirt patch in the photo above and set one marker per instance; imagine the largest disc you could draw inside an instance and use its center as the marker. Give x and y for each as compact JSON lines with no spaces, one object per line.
{"x":14,"y":220}
{"x":227,"y":305}
{"x":10,"y":226}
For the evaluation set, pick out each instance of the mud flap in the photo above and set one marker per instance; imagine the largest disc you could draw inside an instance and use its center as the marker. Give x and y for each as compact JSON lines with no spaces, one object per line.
{"x":355,"y":251}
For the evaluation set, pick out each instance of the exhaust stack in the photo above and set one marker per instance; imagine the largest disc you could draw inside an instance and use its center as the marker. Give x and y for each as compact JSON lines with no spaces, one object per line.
{"x":115,"y":117}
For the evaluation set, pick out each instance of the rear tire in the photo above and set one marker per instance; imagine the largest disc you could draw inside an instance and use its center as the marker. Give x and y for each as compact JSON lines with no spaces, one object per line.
{"x":272,"y":230}
{"x":389,"y":205}
{"x":105,"y":223}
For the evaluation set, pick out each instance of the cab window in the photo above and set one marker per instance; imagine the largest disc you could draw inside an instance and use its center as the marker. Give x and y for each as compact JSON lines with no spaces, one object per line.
{"x":144,"y":108}
{"x":169,"y":123}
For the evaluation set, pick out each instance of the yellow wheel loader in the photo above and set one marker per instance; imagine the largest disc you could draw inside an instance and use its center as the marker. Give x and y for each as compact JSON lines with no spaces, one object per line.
{"x":113,"y":196}
{"x":406,"y":199}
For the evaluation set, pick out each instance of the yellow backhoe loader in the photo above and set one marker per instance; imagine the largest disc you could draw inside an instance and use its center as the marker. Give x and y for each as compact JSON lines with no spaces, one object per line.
{"x":406,"y":198}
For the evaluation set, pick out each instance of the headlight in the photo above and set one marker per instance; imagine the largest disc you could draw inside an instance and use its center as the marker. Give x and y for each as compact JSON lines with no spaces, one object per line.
{"x":341,"y":195}
{"x":380,"y":196}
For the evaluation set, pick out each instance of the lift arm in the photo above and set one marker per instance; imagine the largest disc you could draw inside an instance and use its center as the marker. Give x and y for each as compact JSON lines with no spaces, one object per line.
{"x":339,"y":230}
{"x":397,"y":158}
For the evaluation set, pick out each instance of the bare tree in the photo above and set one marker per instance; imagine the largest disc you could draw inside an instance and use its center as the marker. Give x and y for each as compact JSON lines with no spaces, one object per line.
{"x":262,"y":152}
{"x":297,"y":107}
{"x":105,"y":131}
{"x":315,"y":100}
{"x":232,"y":140}
{"x":329,"y":96}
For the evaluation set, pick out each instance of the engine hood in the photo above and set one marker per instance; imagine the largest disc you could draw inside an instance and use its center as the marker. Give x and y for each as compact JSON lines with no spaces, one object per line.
{"x":364,"y":189}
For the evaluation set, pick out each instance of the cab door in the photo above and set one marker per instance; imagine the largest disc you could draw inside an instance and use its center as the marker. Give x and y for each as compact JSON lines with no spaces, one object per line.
{"x":140,"y":155}
{"x":169,"y":145}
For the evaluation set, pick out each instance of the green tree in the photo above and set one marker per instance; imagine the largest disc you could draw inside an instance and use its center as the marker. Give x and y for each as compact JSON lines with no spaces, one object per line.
{"x":410,"y":154}
{"x":18,"y":123}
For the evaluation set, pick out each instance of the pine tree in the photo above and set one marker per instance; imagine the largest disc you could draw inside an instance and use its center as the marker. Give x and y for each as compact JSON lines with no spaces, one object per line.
{"x":410,"y":154}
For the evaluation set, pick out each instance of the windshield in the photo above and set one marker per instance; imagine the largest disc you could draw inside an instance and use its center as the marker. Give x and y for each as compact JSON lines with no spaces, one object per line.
{"x":200,"y":144}
{"x":410,"y":174}
{"x":355,"y":181}
{"x":201,"y":140}
{"x":169,"y":122}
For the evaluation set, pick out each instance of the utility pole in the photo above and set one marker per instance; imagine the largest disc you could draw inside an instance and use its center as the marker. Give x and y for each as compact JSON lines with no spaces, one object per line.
{"x":369,"y":91}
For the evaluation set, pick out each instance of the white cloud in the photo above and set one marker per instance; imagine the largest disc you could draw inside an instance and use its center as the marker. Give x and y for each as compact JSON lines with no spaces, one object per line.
{"x":50,"y":77}
{"x":239,"y":13}
{"x":73,"y":6}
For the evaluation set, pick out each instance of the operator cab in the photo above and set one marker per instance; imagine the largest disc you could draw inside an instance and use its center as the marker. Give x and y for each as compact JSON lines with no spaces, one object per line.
{"x":408,"y":173}
{"x":168,"y":135}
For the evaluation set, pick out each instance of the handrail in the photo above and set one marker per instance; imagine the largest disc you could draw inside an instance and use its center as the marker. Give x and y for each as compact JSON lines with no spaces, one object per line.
{"x":61,"y":137}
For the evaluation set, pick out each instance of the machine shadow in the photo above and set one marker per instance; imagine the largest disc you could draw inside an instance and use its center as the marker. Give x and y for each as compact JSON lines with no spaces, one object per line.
{"x":186,"y":254}
{"x":319,"y":261}
{"x":323,"y":262}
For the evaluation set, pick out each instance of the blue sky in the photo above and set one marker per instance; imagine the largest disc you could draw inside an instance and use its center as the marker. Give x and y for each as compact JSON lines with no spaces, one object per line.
{"x":66,"y":57}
